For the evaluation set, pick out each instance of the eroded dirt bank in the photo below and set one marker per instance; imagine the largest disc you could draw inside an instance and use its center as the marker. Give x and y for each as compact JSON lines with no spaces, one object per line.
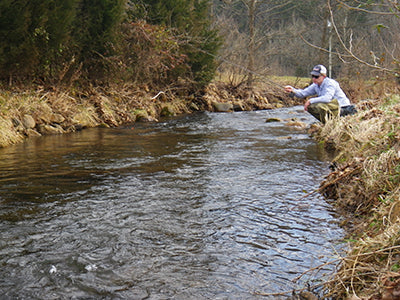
{"x":35,"y":112}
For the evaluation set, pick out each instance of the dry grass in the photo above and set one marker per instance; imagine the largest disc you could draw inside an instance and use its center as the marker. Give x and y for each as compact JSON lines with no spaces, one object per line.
{"x":8,"y":135}
{"x":366,"y":185}
{"x":57,"y":110}
{"x":370,"y":270}
{"x":68,"y":111}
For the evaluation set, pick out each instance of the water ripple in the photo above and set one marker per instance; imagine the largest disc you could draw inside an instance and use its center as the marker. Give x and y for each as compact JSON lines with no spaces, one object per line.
{"x":207,"y":206}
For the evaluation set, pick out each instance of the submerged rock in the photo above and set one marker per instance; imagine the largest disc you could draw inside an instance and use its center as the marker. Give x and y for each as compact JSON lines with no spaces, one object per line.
{"x":271,"y":120}
{"x":222,"y":107}
{"x":296,"y":124}
{"x":31,"y":133}
{"x":50,"y":129}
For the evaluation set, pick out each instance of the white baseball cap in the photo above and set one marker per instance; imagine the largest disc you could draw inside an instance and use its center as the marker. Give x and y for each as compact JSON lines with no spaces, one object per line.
{"x":318,"y":70}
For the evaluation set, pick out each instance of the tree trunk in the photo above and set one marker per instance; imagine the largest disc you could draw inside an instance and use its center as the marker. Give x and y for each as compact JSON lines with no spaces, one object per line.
{"x":251,"y":48}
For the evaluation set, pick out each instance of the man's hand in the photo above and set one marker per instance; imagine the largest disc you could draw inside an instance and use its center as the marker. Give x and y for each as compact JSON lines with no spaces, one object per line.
{"x":288,"y":89}
{"x":306,"y":105}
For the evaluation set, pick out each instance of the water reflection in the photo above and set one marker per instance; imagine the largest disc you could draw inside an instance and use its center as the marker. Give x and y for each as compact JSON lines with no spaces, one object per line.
{"x":206,"y":206}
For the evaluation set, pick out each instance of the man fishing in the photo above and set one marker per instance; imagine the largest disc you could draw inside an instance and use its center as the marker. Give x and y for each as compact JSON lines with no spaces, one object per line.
{"x":330,"y":100}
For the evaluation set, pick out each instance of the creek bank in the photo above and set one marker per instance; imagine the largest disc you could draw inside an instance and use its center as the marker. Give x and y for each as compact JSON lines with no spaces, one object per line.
{"x":364,"y":186}
{"x":36,"y":112}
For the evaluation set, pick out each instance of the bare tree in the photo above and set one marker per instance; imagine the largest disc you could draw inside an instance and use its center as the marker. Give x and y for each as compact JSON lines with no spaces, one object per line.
{"x":255,"y":26}
{"x":381,"y":42}
{"x":258,"y":13}
{"x":351,"y":36}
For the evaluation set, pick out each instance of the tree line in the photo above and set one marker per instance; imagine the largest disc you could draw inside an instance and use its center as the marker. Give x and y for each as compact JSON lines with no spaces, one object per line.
{"x":288,"y":37}
{"x":104,"y":41}
{"x":157,"y":42}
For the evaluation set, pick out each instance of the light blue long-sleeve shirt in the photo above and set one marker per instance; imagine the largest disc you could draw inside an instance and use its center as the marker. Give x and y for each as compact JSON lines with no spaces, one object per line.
{"x":325,"y":93}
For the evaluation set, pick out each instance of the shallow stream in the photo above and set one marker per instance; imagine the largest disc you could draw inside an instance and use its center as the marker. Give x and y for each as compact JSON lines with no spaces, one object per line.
{"x":204,"y":206}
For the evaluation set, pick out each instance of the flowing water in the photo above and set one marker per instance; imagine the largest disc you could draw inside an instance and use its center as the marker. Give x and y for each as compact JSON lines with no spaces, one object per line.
{"x":204,"y":206}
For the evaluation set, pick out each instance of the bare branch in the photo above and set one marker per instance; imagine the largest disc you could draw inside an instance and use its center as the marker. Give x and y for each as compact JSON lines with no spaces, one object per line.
{"x":358,"y":8}
{"x":349,"y":49}
{"x":322,"y":49}
{"x":275,"y":8}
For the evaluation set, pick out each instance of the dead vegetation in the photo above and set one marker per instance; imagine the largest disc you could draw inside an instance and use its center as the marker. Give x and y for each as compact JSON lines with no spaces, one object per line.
{"x":57,"y":110}
{"x":256,"y":98}
{"x":365,"y":186}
